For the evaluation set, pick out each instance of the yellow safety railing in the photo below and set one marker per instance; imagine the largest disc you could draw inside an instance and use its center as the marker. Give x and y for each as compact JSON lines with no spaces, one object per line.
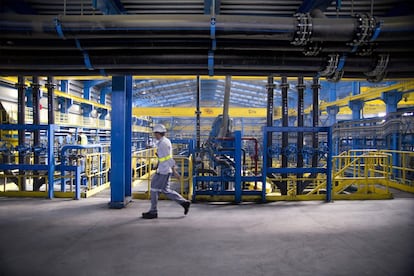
{"x":97,"y":167}
{"x":315,"y":188}
{"x":144,"y":163}
{"x":403,"y":173}
{"x":185,"y":169}
{"x":361,"y":174}
{"x":22,"y":184}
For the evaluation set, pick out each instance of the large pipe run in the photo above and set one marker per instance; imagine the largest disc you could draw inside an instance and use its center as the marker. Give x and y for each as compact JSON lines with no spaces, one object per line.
{"x":122,"y":26}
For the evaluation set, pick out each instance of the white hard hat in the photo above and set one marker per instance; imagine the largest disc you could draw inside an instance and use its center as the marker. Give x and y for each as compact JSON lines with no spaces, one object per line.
{"x":159,"y":128}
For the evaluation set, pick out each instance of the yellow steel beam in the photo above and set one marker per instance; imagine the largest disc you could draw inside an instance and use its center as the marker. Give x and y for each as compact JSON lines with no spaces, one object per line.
{"x":369,"y":94}
{"x":205,"y":128}
{"x":80,"y":99}
{"x":13,"y":80}
{"x":205,"y":112}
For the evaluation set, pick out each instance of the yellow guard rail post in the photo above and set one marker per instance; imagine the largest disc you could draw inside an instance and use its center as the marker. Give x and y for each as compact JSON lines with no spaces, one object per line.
{"x":361,"y":174}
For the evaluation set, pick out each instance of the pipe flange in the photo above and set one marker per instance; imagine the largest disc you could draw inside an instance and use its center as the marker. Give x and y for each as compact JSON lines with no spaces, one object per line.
{"x":35,"y":85}
{"x":50,"y":85}
{"x":312,"y":49}
{"x":364,"y":31}
{"x":366,"y":50}
{"x":378,"y":73}
{"x":303,"y":29}
{"x":20,"y":85}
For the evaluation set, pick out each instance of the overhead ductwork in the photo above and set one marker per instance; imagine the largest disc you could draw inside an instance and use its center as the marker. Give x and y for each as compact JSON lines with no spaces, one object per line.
{"x":305,"y":44}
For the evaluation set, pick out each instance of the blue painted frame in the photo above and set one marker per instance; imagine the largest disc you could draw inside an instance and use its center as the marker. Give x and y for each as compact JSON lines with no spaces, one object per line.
{"x":327,"y":170}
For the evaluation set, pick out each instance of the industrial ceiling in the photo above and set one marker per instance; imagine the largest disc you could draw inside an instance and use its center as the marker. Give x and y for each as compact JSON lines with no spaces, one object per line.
{"x":363,"y":39}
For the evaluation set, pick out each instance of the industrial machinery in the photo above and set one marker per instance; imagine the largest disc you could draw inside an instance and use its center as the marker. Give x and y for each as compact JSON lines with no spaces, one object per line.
{"x":223,"y":164}
{"x":45,"y":165}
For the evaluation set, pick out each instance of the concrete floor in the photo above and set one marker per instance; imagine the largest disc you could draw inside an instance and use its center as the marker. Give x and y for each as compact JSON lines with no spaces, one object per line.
{"x":67,"y":237}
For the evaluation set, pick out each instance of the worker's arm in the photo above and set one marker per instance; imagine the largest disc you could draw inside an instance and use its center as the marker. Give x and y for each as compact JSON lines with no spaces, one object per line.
{"x":175,"y":172}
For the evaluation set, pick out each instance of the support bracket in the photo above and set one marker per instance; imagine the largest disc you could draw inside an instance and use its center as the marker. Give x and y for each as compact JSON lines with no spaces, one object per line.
{"x":334,"y":70}
{"x":378,"y":73}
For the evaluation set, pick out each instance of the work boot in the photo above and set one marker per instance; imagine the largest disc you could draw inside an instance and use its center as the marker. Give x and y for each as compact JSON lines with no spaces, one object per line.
{"x":186,"y":206}
{"x":149,"y":215}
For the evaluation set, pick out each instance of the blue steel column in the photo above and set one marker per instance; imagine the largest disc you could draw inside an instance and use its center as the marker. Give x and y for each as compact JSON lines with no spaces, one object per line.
{"x":329,"y":166}
{"x":332,"y":112}
{"x":121,"y":87}
{"x":391,"y":100}
{"x":128,"y":136}
{"x":50,"y":159}
{"x":238,"y":167}
{"x":356,"y":107}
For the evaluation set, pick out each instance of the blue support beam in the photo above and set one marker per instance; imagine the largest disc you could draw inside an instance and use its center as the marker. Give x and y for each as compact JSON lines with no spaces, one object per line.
{"x":268,"y":169}
{"x":332,"y":112}
{"x":64,"y":103}
{"x":356,"y":88}
{"x":391,"y":100}
{"x":121,"y":133}
{"x":356,"y":107}
{"x":102,"y":100}
{"x":237,"y":167}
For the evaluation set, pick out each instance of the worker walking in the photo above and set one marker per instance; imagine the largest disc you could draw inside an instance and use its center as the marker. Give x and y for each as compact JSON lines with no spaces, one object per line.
{"x":160,"y":181}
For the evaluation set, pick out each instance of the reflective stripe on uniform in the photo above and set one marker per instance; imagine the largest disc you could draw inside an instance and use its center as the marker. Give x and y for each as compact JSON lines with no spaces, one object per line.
{"x":165,"y":158}
{"x":156,"y":190}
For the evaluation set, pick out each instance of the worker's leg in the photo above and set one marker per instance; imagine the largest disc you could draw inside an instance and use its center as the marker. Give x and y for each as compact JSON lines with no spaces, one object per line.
{"x":171,"y":194}
{"x":157,"y":184}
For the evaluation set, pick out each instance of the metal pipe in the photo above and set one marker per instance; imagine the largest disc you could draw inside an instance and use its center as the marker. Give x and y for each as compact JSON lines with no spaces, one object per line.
{"x":270,"y":113}
{"x":198,"y":115}
{"x":285,"y":135}
{"x":36,"y":121}
{"x":36,"y":109}
{"x":50,"y":96}
{"x":301,"y":110}
{"x":279,"y":28}
{"x":225,"y":122}
{"x":21,"y":115}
